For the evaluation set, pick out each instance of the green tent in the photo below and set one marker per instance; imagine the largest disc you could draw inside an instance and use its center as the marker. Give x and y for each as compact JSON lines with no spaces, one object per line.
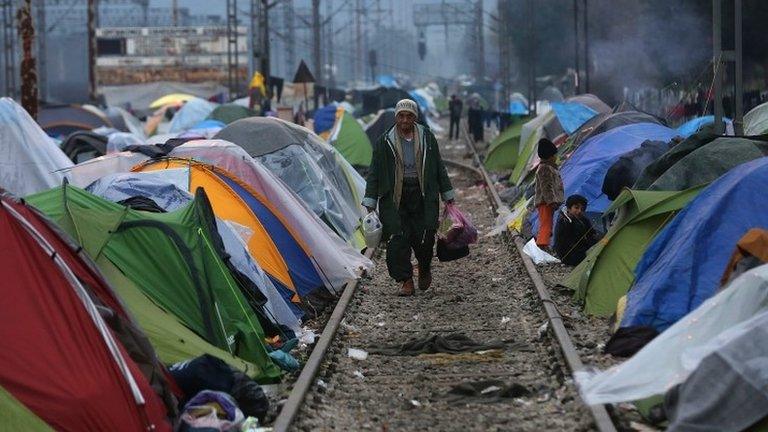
{"x":17,"y":417}
{"x":173,"y":259}
{"x":608,"y":270}
{"x":756,"y":120}
{"x":658,"y":167}
{"x":172,"y":341}
{"x":530,"y":133}
{"x":503,"y":151}
{"x":350,"y":140}
{"x":710,"y":161}
{"x":230,"y":112}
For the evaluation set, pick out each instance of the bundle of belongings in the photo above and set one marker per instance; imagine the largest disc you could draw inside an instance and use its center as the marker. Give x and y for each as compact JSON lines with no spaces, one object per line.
{"x":454,"y":235}
{"x":219,"y":397}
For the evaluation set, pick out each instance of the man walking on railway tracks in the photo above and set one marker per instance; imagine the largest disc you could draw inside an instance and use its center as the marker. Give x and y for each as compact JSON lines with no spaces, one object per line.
{"x":407,"y":178}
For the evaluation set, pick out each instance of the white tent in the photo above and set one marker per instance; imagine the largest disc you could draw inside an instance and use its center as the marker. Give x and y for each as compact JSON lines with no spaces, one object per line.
{"x":671,"y":357}
{"x":29,"y":159}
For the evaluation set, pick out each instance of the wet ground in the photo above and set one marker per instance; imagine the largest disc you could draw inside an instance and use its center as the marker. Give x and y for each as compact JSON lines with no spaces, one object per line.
{"x":487,"y":296}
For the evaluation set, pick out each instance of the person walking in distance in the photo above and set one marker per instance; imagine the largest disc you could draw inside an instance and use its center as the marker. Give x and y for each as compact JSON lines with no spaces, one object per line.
{"x":548,"y":190}
{"x":406,"y":180}
{"x":455,"y":107}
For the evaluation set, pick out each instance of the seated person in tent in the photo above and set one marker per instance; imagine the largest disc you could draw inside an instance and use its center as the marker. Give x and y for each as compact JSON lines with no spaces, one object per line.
{"x":573,"y":233}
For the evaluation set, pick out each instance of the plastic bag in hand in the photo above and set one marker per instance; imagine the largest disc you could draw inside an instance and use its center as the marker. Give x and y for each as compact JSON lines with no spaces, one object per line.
{"x":372,"y":229}
{"x":456,"y":230}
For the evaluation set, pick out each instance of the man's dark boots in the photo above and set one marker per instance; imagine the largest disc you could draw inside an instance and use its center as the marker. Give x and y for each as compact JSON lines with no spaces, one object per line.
{"x":425,"y":279}
{"x":407,"y":288}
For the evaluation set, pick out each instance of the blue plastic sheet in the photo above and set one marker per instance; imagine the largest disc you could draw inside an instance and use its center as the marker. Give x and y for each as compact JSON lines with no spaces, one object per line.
{"x":423,"y":103}
{"x":325,"y":118}
{"x":693,"y":125}
{"x":572,"y":115}
{"x":682,"y":267}
{"x":387,"y":81}
{"x":518,"y":108}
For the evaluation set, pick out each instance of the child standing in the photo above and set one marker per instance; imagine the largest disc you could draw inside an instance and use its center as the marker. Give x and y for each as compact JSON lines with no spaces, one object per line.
{"x":574,"y":234}
{"x":549,"y":192}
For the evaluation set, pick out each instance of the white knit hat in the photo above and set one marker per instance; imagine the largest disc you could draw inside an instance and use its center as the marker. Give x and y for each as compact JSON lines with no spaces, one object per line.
{"x":407,"y":105}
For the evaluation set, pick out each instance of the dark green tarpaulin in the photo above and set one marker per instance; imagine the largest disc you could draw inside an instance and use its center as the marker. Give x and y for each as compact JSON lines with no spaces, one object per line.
{"x":710,"y":161}
{"x":171,"y":257}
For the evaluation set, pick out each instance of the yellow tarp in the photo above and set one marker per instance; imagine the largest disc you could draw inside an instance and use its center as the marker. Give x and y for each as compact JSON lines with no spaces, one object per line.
{"x":171,"y":99}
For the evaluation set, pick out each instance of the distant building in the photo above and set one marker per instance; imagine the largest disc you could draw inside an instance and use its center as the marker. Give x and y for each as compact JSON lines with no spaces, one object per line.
{"x":145,"y":54}
{"x":63,"y":45}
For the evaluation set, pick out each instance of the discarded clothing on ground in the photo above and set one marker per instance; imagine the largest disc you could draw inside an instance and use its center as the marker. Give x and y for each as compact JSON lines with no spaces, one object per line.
{"x":451,"y":343}
{"x":211,"y":411}
{"x":486,"y":391}
{"x":629,"y":340}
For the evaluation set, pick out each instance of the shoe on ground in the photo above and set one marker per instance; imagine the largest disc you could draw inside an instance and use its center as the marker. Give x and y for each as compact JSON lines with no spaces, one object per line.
{"x":425,"y":280}
{"x":407,"y":289}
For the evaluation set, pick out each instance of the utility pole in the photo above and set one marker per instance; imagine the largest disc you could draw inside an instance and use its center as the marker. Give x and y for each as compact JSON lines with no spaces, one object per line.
{"x":576,"y":44}
{"x":316,"y":54}
{"x":586,"y":48}
{"x":175,"y":13}
{"x":721,"y":59}
{"x":233,"y":75}
{"x":358,"y":40}
{"x":329,"y":43}
{"x":253,"y":41}
{"x":91,"y":17}
{"x":531,"y":58}
{"x":28,"y":69}
{"x":290,"y":41}
{"x":480,"y":41}
{"x":9,"y":48}
{"x":42,"y":73}
{"x":503,"y":6}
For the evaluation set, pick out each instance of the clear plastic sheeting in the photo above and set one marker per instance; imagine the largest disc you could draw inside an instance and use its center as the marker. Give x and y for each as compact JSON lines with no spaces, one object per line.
{"x":301,"y":171}
{"x":119,"y":141}
{"x":337,"y":260}
{"x":85,"y":173}
{"x":728,"y":391}
{"x":343,"y":176}
{"x":243,"y":261}
{"x":160,"y":186}
{"x":671,"y":357}
{"x":30,"y":161}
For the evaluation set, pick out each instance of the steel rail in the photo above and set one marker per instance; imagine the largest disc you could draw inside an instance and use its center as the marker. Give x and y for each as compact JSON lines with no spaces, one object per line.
{"x":600,"y":414}
{"x":304,"y":383}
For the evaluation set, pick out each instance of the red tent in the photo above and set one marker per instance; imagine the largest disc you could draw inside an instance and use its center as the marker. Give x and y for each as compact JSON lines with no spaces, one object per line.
{"x":60,"y":358}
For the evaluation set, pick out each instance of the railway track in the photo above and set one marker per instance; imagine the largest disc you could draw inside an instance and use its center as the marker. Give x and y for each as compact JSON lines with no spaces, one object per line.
{"x":494,"y":295}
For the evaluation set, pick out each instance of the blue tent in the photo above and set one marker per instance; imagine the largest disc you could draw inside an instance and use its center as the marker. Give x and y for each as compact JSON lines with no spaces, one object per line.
{"x":518,"y":108}
{"x":387,"y":81}
{"x":693,"y":125}
{"x":684,"y":264}
{"x":423,"y":103}
{"x":572,"y":115}
{"x":583,"y":173}
{"x":325,"y":118}
{"x":208,"y":124}
{"x":300,"y":266}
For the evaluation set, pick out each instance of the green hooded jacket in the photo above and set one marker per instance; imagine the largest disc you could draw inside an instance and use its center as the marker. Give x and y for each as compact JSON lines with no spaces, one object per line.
{"x":385,"y":179}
